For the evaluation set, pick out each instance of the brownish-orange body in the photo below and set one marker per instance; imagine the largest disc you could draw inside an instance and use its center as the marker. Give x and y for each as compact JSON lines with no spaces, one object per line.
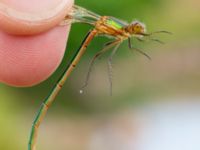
{"x":104,"y":28}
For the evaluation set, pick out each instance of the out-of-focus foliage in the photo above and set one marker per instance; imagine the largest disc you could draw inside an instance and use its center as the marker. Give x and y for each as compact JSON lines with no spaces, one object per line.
{"x":174,"y":69}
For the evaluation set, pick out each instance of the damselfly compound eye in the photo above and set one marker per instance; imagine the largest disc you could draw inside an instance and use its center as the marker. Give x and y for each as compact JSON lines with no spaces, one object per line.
{"x":138,"y":27}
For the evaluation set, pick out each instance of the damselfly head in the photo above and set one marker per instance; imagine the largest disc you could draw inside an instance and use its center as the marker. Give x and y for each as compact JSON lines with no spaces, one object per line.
{"x":137,"y":28}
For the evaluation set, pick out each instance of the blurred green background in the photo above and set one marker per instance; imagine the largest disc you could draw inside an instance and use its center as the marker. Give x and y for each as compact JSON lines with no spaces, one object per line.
{"x":173,"y":71}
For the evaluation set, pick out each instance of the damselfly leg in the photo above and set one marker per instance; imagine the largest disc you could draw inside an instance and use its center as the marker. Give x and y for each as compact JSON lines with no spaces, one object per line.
{"x":138,"y":50}
{"x":97,"y":55}
{"x":110,"y":68}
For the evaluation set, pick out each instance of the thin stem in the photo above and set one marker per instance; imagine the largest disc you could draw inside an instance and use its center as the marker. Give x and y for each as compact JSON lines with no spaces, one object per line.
{"x":49,"y":100}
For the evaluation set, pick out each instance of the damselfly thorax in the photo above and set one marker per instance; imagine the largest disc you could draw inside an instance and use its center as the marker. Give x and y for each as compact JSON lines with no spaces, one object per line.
{"x":110,"y":27}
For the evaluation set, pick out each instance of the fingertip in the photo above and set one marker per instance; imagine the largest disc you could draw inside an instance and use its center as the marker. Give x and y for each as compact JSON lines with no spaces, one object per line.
{"x":25,"y":18}
{"x":29,"y":60}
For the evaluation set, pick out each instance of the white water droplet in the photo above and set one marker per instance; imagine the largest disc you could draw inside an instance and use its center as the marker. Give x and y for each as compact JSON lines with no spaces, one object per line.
{"x":81,"y":91}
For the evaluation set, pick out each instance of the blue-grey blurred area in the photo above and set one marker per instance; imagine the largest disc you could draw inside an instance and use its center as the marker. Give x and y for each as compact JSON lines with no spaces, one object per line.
{"x":154,"y":105}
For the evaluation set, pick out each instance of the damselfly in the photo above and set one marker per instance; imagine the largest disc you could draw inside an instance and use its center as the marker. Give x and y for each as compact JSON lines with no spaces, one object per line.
{"x":112,"y":27}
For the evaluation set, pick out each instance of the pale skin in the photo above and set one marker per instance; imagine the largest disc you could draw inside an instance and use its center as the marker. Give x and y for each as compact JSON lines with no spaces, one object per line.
{"x":29,"y":60}
{"x":30,"y":48}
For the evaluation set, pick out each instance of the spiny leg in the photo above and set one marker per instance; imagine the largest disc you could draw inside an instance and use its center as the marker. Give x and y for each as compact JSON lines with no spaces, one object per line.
{"x":151,"y":39}
{"x":165,"y":32}
{"x":106,"y":48}
{"x":156,"y":32}
{"x":110,"y":68}
{"x":157,"y":40}
{"x":149,"y":35}
{"x":49,"y":100}
{"x":138,"y":50}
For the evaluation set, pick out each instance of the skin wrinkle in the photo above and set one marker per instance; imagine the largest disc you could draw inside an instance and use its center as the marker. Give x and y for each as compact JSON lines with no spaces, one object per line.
{"x":29,"y":60}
